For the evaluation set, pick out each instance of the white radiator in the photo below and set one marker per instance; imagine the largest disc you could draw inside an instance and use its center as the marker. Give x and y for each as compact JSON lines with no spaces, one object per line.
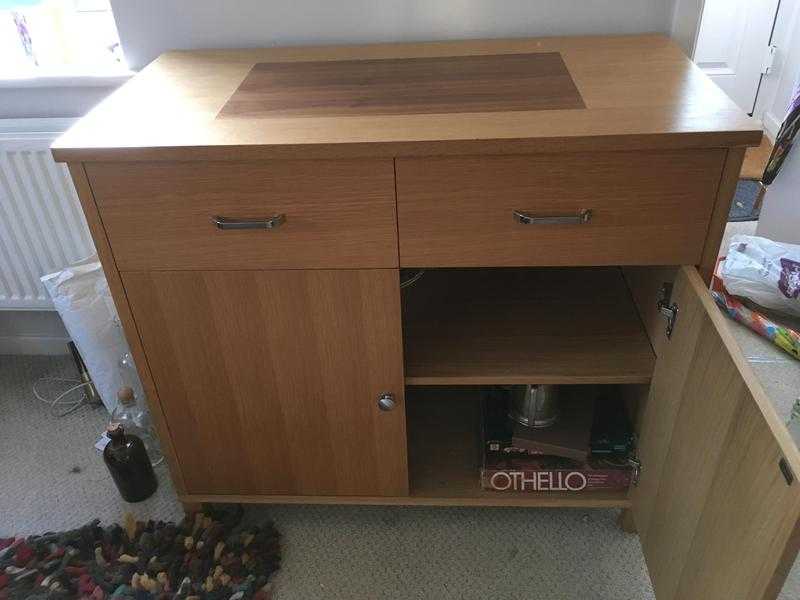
{"x":42,"y":228}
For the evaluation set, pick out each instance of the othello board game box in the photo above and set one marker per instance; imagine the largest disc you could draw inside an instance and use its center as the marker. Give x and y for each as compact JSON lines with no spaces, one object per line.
{"x":507,"y":468}
{"x":554,"y":474}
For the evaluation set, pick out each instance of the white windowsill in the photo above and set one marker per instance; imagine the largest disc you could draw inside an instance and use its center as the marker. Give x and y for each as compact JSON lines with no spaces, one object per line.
{"x":49,"y":80}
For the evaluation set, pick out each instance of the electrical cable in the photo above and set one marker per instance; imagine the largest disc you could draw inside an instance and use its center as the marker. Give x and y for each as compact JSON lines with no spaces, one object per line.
{"x":54,"y":403}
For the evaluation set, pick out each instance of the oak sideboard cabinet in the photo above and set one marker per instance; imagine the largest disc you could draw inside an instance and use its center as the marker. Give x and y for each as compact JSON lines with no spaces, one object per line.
{"x":566,"y":198}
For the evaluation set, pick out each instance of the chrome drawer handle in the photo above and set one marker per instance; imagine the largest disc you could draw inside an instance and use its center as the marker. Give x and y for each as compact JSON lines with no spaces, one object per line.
{"x":581,"y":218}
{"x":272,"y":222}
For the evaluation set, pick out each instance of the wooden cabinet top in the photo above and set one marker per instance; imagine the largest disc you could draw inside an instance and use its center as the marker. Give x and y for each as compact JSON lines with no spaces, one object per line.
{"x":480,"y":96}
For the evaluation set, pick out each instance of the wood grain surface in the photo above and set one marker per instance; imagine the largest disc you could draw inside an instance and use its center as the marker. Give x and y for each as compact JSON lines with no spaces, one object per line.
{"x":640,"y":92}
{"x":339,"y":214}
{"x":106,"y":256}
{"x":719,"y":216}
{"x":756,"y":160}
{"x":446,"y":84}
{"x":645,"y":284}
{"x":714,"y":512}
{"x":270,"y":379}
{"x":521,"y":326}
{"x":647,"y":208}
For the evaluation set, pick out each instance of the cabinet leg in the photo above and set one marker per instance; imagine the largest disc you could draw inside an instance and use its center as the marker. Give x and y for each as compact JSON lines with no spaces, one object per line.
{"x":626,"y":522}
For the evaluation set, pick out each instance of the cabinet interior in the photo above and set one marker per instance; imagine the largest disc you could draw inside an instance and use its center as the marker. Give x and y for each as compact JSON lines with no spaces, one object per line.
{"x":509,"y":326}
{"x":465,"y":329}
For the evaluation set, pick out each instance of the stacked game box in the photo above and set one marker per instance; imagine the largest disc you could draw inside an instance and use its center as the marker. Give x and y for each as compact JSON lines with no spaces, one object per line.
{"x":588,"y":449}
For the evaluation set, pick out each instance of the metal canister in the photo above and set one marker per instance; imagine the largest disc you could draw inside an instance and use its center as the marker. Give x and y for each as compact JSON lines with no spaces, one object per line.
{"x":534,"y":405}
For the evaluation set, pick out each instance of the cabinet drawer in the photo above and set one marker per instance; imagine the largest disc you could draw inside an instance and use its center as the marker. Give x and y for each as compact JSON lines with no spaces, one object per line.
{"x":337,"y":214}
{"x":645,"y":208}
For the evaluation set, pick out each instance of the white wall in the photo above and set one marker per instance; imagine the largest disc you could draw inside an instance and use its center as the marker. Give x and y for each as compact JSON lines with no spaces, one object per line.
{"x":686,"y":23}
{"x":780,"y":215}
{"x":776,"y":89}
{"x":25,"y":101}
{"x":149,"y":27}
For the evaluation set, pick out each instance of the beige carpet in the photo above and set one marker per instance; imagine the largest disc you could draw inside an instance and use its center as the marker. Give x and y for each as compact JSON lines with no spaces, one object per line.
{"x":52,"y":478}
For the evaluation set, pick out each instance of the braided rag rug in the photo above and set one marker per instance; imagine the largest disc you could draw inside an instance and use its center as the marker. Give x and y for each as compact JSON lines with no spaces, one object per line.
{"x":202,"y":557}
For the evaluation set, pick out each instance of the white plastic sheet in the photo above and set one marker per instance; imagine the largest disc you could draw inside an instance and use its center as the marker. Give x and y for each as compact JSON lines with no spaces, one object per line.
{"x":766,"y":272}
{"x":81,"y":296}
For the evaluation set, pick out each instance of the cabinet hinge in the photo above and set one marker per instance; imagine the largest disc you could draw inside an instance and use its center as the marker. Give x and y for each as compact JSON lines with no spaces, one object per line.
{"x":667,"y":309}
{"x":634,"y":462}
{"x":636,"y":468}
{"x":769,"y":60}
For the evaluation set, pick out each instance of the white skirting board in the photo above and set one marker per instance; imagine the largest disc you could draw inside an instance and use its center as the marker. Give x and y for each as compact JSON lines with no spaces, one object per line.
{"x":33,"y":345}
{"x":32,"y":332}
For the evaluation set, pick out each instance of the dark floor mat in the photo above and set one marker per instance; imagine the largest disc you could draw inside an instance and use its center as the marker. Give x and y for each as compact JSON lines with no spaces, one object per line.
{"x":744,"y":202}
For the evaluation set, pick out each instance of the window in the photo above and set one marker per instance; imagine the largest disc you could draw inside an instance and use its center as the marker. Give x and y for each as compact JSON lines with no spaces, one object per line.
{"x":58,"y":38}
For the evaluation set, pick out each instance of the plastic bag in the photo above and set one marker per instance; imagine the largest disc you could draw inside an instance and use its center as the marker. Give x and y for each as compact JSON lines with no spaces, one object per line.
{"x":81,"y":296}
{"x":766,"y":272}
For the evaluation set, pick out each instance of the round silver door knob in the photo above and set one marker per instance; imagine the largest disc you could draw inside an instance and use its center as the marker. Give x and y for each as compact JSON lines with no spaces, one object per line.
{"x":386,"y":401}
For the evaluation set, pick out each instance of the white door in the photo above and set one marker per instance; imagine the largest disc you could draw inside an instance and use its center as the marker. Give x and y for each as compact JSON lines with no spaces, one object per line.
{"x":733,"y":43}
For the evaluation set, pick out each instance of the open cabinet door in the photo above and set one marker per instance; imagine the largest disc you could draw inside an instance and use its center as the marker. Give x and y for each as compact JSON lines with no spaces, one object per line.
{"x":718,"y":500}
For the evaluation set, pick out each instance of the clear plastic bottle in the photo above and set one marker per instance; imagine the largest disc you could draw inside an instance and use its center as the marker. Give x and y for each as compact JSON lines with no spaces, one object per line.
{"x":136,"y":421}
{"x":130,"y":376}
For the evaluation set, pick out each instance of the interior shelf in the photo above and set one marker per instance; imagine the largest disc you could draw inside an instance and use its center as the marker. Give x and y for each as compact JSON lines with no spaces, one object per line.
{"x":444,"y":454}
{"x":520,"y":326}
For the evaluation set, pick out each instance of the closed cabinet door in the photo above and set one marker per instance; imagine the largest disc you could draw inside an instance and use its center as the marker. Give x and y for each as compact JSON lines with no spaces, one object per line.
{"x":271,"y":381}
{"x":718,"y":501}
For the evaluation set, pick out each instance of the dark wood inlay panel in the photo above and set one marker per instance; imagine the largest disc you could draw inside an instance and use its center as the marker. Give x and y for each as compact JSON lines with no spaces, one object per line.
{"x":504,"y":82}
